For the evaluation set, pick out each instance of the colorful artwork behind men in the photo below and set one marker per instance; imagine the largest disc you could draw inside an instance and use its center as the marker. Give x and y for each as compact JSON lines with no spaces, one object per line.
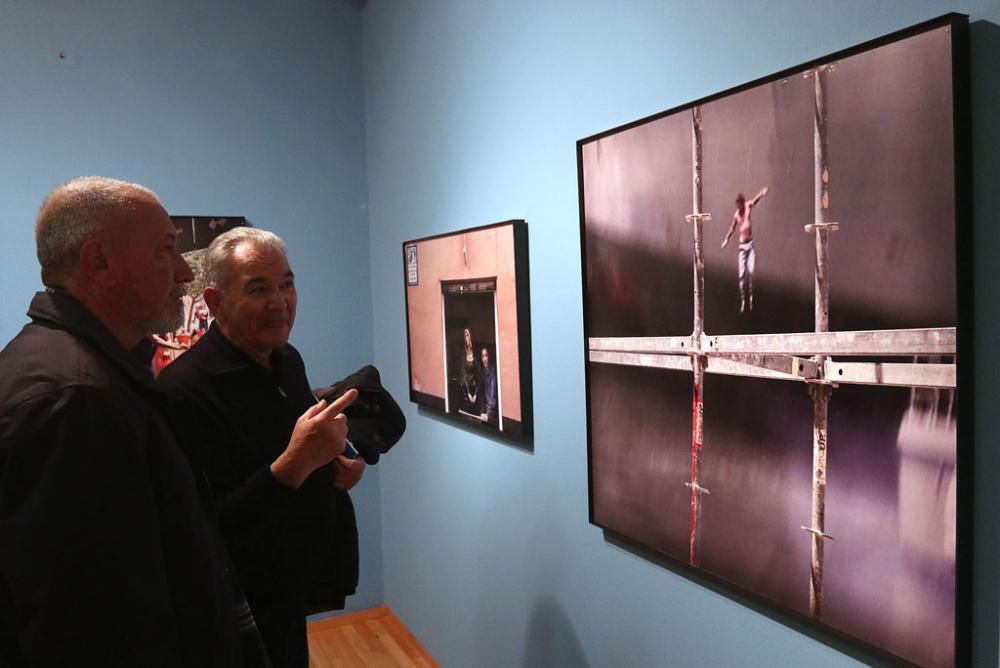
{"x":195,"y":233}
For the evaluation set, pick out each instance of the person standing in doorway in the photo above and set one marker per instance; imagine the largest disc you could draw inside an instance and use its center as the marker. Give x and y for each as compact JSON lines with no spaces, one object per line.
{"x":488,"y":412}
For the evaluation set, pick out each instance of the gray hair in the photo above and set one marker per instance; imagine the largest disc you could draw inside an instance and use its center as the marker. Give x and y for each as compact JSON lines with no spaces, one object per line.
{"x":75,"y":212}
{"x":217,"y":265}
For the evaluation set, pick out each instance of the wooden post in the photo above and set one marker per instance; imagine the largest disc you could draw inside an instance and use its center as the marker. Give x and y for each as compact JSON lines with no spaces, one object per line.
{"x":821,"y":390}
{"x":698,"y":359}
{"x":697,"y":441}
{"x":821,"y":401}
{"x":822,"y":204}
{"x":699,"y":251}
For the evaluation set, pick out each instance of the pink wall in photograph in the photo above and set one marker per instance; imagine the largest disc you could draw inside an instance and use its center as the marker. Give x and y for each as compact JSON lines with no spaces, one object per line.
{"x":485,"y":253}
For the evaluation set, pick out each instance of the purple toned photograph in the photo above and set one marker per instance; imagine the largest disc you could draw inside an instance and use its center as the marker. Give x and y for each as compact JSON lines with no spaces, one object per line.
{"x":774,"y":306}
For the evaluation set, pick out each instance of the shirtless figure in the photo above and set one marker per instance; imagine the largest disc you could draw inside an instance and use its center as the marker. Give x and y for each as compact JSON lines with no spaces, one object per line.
{"x":747,"y":257}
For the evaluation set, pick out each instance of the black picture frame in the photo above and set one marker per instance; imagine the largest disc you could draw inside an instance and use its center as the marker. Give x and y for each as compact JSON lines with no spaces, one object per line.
{"x":849,"y":337}
{"x":471,"y":281}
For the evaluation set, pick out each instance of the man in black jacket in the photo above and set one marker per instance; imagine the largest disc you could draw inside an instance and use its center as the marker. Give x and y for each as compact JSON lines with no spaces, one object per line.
{"x":236,"y":396}
{"x":107,"y":554}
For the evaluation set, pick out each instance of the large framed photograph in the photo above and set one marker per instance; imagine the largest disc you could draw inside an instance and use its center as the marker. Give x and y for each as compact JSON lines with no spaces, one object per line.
{"x":777,"y":317}
{"x":467,"y":324}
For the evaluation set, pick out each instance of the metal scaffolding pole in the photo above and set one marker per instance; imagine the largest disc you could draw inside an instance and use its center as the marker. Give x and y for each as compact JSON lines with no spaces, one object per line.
{"x":698,"y":358}
{"x":698,"y":218}
{"x":822,"y":389}
{"x":822,"y":225}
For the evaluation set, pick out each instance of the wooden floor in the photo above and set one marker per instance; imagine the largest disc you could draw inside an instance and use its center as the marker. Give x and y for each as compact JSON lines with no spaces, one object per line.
{"x":373,"y":638}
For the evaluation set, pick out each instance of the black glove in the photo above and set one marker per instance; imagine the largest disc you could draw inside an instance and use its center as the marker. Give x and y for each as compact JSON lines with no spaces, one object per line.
{"x":375,"y":421}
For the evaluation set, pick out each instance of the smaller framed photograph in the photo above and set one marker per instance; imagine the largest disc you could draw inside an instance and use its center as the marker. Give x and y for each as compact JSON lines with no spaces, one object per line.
{"x":468,"y":326}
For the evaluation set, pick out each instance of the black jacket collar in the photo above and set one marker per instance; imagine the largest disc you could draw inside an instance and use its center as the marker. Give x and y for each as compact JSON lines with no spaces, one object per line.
{"x":58,"y":309}
{"x":223,"y":356}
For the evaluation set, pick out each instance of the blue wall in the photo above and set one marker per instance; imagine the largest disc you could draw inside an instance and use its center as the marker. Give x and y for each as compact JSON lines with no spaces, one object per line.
{"x":222,"y":107}
{"x":473,"y":110}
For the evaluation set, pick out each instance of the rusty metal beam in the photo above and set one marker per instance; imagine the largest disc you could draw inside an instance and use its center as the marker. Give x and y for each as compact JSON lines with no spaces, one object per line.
{"x":645,"y":360}
{"x":941,"y":376}
{"x":774,"y":367}
{"x":787,"y":365}
{"x":726,"y":366}
{"x":884,"y":342}
{"x":879,"y":342}
{"x":680,"y":345}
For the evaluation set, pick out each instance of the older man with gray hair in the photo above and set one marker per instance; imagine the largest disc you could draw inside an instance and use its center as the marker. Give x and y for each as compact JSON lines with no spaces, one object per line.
{"x":284,"y":509}
{"x":107,"y":554}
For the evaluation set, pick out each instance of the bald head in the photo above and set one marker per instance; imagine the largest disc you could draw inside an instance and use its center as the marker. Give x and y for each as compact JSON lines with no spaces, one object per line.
{"x":77,"y":211}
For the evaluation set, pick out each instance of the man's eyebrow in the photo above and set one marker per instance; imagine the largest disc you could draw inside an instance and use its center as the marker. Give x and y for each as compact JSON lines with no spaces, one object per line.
{"x":255,"y":281}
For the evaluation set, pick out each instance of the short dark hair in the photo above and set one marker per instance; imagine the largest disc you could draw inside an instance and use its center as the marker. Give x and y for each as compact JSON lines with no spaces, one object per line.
{"x":75,"y":212}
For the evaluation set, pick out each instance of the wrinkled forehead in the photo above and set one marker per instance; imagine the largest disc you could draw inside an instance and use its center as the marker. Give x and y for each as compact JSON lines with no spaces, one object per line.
{"x":254,"y":261}
{"x":144,"y":220}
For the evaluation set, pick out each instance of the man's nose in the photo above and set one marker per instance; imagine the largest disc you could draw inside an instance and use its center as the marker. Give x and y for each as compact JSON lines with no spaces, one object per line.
{"x":182,"y":270}
{"x":276,"y":300}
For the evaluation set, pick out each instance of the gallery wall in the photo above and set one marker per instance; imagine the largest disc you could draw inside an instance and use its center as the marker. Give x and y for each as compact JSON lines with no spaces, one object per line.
{"x":223,"y":108}
{"x":472,"y":114}
{"x":458,"y":114}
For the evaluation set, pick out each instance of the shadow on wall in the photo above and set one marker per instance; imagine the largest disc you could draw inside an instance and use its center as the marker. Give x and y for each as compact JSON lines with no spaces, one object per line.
{"x":523,"y":444}
{"x":984,"y":46}
{"x":552,"y":640}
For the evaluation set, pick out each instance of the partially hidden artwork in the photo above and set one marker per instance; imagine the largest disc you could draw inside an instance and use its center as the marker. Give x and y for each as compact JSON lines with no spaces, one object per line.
{"x":777,"y":321}
{"x":467,"y":318}
{"x":194,"y":234}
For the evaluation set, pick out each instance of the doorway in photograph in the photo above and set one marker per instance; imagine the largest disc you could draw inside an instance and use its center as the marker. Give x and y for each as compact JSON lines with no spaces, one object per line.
{"x":470,"y":336}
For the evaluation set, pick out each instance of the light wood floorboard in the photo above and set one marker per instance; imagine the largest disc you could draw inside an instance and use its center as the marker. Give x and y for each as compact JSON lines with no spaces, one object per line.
{"x":373,"y":638}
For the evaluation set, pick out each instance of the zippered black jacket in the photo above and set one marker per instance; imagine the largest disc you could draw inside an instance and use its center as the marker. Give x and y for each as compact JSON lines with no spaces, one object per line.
{"x":294,"y":550}
{"x":107,"y":554}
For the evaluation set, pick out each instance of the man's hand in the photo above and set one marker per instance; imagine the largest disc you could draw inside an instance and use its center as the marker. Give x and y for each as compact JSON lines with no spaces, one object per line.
{"x":317,"y":439}
{"x":347,"y":472}
{"x":753,"y":202}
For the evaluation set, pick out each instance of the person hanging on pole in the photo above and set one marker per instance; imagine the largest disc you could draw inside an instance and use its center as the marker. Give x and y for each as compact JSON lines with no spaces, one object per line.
{"x":747,"y":257}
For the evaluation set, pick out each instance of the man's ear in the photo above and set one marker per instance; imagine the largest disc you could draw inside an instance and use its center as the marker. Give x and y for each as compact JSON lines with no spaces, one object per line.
{"x":95,"y":263}
{"x":212,"y":298}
